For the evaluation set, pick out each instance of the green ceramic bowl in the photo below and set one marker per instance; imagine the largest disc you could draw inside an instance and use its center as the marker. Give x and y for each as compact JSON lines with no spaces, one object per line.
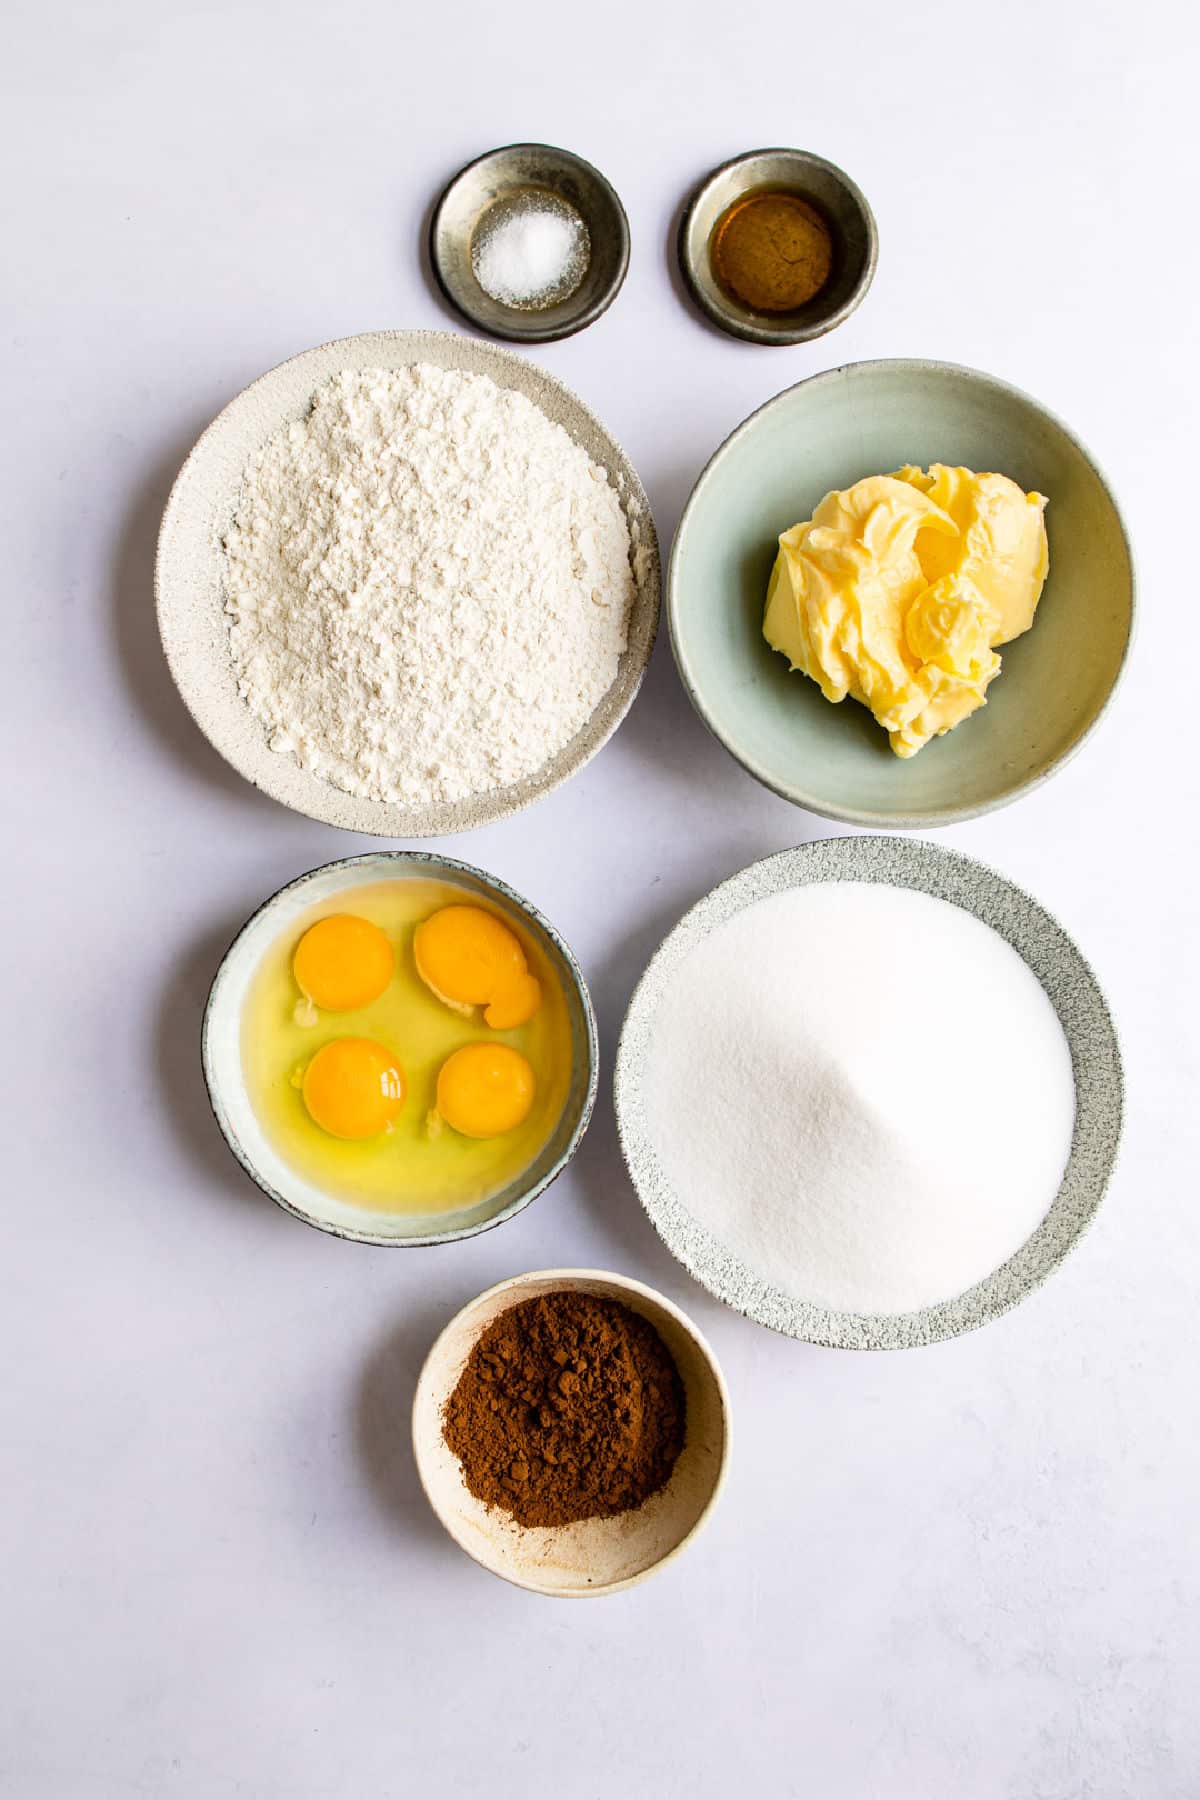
{"x":866,"y":419}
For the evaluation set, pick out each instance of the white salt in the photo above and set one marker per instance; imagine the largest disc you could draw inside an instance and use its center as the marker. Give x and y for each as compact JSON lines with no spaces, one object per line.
{"x":530,"y":251}
{"x":863,"y":1092}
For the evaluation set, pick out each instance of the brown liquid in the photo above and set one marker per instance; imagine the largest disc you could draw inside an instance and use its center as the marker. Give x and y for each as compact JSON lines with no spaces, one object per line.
{"x":772,"y":250}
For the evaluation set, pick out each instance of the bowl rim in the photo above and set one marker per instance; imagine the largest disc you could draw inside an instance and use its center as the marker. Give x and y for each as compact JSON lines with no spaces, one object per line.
{"x":867,"y":816}
{"x":573,"y":1278}
{"x":212,"y":1085}
{"x":533,"y":334}
{"x":778,"y":336}
{"x":806,"y":1321}
{"x":387,"y":819}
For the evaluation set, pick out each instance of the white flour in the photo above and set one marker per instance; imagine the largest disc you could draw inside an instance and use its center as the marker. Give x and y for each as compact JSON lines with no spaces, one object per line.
{"x":429,"y":586}
{"x":863,"y":1092}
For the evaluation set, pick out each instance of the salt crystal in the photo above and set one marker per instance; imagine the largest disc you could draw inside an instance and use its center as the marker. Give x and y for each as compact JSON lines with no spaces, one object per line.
{"x":530,"y":252}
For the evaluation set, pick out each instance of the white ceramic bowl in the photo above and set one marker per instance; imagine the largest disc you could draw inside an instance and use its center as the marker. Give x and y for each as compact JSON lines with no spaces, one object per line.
{"x":594,"y":1556}
{"x":222,"y":1055}
{"x":188,"y":577}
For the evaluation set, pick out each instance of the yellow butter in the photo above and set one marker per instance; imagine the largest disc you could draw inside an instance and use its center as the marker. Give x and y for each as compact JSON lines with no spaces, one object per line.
{"x":898,"y":589}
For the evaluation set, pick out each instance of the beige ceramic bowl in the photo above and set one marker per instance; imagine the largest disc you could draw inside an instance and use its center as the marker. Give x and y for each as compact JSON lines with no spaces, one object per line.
{"x":596,"y":1556}
{"x":189,"y":576}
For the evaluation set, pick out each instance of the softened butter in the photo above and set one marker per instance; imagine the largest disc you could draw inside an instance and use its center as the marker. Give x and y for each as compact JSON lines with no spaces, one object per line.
{"x":898,"y":590}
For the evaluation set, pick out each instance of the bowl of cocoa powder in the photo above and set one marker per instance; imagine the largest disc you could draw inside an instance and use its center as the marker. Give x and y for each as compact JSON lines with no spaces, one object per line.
{"x":571,"y":1431}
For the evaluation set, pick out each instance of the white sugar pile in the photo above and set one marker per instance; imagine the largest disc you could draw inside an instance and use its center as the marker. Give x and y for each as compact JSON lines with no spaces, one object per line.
{"x":863,"y":1092}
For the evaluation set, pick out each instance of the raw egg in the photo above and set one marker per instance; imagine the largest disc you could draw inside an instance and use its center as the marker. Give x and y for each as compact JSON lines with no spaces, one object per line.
{"x":484,"y":1090}
{"x":468,"y":957}
{"x":408,"y":1166}
{"x":343,"y":962}
{"x":353,"y":1088}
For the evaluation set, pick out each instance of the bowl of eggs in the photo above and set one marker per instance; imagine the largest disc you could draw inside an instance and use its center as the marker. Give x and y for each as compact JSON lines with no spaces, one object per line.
{"x":400,"y":1050}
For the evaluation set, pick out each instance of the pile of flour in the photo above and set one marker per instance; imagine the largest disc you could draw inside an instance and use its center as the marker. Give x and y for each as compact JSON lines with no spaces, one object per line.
{"x":428,"y":584}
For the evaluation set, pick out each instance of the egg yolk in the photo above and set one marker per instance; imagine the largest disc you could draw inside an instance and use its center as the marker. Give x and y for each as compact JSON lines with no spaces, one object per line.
{"x":484,"y":1090}
{"x":353,"y":1088}
{"x":469,"y":958}
{"x":342,"y":963}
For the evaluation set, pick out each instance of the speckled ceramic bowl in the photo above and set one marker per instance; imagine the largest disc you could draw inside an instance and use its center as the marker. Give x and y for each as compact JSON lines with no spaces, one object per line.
{"x":231,"y":1104}
{"x":1082,"y":1011}
{"x":189,"y":573}
{"x":595,"y":1556}
{"x":828,"y":432}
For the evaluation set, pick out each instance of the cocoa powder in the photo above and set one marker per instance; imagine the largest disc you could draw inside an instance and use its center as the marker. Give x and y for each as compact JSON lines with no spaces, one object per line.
{"x":569,"y":1407}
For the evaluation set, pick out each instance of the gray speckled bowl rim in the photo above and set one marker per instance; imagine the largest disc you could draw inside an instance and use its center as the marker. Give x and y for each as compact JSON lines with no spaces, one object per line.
{"x":1075,"y":994}
{"x":274,"y":774}
{"x":531,"y":333}
{"x":730,"y":321}
{"x":392,"y":863}
{"x":896,"y":820}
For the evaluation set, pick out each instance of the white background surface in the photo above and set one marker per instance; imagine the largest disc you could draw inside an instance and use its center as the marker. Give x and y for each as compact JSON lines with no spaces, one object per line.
{"x":967,"y":1572}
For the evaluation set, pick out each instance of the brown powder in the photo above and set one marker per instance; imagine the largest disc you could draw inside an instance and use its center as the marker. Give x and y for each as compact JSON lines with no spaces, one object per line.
{"x":772,"y":250}
{"x":569,"y":1407}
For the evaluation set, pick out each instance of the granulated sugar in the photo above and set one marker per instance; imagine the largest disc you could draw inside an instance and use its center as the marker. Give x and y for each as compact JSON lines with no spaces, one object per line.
{"x":863,"y":1092}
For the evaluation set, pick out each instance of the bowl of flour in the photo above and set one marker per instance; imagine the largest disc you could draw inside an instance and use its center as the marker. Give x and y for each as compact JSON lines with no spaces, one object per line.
{"x":407,"y":583}
{"x":869,"y":1093}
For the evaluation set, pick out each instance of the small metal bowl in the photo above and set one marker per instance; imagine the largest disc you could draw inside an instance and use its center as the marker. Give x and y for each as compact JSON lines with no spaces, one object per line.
{"x":501,"y":175}
{"x":841,"y":204}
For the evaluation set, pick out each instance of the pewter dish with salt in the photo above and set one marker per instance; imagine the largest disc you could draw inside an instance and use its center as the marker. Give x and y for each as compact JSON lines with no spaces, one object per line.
{"x":529,"y":242}
{"x":869,"y":1093}
{"x":355,"y":655}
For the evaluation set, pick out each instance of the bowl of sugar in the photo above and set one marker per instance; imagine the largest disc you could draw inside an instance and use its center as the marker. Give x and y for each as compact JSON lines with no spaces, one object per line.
{"x":869,"y":1093}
